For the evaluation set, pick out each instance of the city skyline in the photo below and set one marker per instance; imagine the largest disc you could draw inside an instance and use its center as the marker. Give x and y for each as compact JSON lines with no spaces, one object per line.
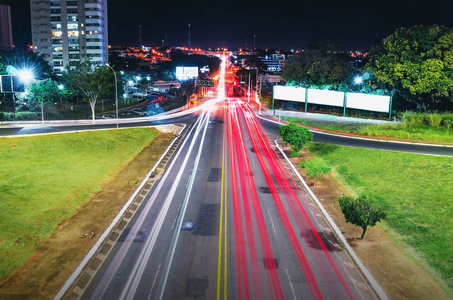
{"x":286,"y":25}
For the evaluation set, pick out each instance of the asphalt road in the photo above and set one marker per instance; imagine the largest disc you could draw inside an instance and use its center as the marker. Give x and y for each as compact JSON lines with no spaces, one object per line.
{"x":256,"y":234}
{"x":271,"y":128}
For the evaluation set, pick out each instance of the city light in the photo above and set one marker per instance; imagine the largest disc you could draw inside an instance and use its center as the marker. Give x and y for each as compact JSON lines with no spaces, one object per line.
{"x":25,"y":75}
{"x":358,"y":79}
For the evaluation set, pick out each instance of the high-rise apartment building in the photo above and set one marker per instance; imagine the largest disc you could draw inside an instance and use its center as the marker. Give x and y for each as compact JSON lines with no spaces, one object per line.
{"x":63,"y":30}
{"x":6,"y":35}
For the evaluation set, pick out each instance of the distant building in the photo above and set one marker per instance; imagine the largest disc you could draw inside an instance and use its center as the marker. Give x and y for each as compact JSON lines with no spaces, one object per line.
{"x":63,"y":30}
{"x":272,"y":79}
{"x":6,"y":34}
{"x":165,"y":86}
{"x":273,"y":62}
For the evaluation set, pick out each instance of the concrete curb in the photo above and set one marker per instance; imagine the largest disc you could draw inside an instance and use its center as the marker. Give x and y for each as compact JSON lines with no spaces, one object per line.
{"x":374,"y":284}
{"x":106,"y":233}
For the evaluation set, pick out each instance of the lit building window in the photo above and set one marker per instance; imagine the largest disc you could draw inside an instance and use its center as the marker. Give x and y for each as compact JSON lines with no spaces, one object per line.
{"x":73,"y":33}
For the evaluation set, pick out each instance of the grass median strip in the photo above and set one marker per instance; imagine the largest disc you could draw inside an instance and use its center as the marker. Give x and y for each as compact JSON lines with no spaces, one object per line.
{"x":416,"y":191}
{"x":46,"y":179}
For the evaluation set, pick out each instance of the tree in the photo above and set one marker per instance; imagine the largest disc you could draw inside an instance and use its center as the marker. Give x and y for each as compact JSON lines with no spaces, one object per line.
{"x":2,"y":68}
{"x":42,"y":91}
{"x":417,"y":63}
{"x":360,"y":211}
{"x":95,"y":82}
{"x":295,"y":136}
{"x":318,"y":67}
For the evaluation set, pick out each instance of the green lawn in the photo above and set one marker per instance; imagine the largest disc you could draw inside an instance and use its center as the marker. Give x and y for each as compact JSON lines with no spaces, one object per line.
{"x":45,"y":179}
{"x":416,"y":190}
{"x":397,"y":130}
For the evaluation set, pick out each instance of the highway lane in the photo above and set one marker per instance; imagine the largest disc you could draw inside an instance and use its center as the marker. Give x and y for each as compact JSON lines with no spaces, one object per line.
{"x":297,"y":255}
{"x":144,"y":245}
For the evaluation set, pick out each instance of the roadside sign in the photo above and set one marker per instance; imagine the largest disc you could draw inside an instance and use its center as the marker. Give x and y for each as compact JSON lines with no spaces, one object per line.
{"x":204,"y":82}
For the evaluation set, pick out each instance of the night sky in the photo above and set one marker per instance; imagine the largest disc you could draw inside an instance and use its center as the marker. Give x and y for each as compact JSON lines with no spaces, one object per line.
{"x":357,"y":25}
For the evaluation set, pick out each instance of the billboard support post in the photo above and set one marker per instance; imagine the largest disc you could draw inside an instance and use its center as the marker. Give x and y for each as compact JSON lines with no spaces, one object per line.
{"x":306,"y":99}
{"x":345,"y":103}
{"x":390,"y":106}
{"x":273,"y":93}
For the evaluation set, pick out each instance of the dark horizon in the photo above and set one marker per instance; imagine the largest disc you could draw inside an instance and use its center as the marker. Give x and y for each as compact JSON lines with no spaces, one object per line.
{"x":287,"y":25}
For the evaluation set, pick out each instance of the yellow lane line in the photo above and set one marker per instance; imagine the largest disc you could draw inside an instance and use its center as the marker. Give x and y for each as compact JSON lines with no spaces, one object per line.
{"x":225,"y":243}
{"x":222,"y":200}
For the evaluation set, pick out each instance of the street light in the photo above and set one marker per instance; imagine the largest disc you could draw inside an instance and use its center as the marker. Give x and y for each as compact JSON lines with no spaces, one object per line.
{"x":358,"y":79}
{"x":61,"y":88}
{"x":25,"y":75}
{"x":116,"y":94}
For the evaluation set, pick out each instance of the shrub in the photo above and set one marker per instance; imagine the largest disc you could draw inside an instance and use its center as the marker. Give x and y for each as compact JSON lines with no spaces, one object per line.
{"x":28,"y":116}
{"x":295,"y":136}
{"x":412,"y":118}
{"x":447,"y":119}
{"x":434,"y":119}
{"x":315,"y":167}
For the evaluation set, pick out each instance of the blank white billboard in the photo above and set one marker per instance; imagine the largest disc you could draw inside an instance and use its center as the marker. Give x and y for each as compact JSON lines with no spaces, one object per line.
{"x":368,"y":102}
{"x":185,"y":73}
{"x":289,"y":93}
{"x":326,"y":97}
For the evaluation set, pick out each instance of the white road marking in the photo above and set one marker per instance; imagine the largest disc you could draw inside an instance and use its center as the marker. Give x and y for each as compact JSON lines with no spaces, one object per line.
{"x":154,"y":282}
{"x":290,"y":284}
{"x":272,"y":222}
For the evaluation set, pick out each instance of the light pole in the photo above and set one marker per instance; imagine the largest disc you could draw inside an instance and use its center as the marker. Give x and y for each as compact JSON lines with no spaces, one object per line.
{"x":116,"y":94}
{"x":61,"y":88}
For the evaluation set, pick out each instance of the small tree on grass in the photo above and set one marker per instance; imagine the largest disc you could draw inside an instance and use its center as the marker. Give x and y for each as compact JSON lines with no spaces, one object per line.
{"x":360,"y":212}
{"x":295,"y":136}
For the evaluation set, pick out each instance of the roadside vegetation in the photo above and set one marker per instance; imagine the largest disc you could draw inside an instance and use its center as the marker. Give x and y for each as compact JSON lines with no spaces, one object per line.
{"x":46,"y":179}
{"x":434,"y":127}
{"x":295,"y":136}
{"x":414,"y":190}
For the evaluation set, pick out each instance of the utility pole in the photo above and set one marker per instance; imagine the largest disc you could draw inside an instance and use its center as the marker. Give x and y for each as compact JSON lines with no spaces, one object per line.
{"x":189,"y":42}
{"x":261,"y":99}
{"x":246,"y":43}
{"x":250,"y":90}
{"x":140,"y":36}
{"x":254,"y":41}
